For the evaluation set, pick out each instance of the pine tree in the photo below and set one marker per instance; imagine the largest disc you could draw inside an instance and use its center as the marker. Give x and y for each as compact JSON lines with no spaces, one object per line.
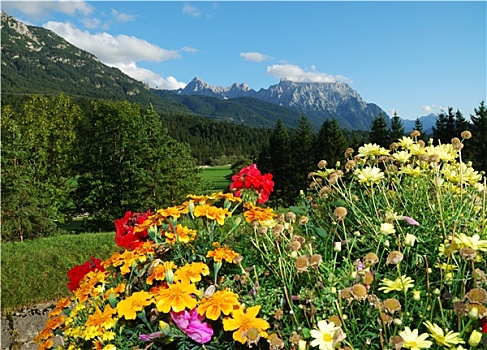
{"x":418,"y":125}
{"x":302,"y":155}
{"x":397,"y":128}
{"x":479,"y":137}
{"x":379,"y":132}
{"x":330,"y":143}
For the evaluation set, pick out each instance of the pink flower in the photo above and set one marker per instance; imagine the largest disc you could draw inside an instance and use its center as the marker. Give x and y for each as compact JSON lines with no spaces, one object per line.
{"x":191,"y":323}
{"x":409,"y":220}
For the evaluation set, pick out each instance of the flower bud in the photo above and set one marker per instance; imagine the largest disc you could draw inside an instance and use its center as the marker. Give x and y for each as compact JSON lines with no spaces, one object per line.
{"x":416,"y":295}
{"x":337,"y":246}
{"x":475,"y":338}
{"x":410,"y":240}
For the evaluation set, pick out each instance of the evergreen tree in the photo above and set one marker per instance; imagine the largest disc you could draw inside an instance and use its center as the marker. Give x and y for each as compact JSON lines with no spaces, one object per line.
{"x":479,"y":137}
{"x":275,"y":158}
{"x":330,"y":143}
{"x":302,"y":155}
{"x":418,"y":125}
{"x":397,"y":128}
{"x":379,"y":132}
{"x":461,"y":124}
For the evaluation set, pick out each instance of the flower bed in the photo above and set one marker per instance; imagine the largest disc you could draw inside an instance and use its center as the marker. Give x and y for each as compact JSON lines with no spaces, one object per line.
{"x":386,"y":252}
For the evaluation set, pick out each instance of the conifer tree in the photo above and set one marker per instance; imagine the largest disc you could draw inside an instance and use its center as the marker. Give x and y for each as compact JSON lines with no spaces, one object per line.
{"x":418,"y":125}
{"x":330,"y":143}
{"x":397,"y":128}
{"x":479,"y":137}
{"x":379,"y":132}
{"x":302,"y":155}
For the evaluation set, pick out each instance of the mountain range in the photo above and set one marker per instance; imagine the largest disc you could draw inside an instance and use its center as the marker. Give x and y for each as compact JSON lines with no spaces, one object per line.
{"x":37,"y":61}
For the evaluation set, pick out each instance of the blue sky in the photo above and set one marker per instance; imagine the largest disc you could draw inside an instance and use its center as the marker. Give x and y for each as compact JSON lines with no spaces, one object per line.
{"x":412,"y":57}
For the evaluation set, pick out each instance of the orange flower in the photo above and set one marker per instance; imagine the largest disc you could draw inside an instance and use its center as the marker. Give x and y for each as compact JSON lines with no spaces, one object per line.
{"x":220,"y":254}
{"x":258,"y":214}
{"x":48,"y":344}
{"x":176,"y":297}
{"x":174,"y":212}
{"x":242,"y":322}
{"x":160,"y":270}
{"x":184,"y":234}
{"x":212,"y":213}
{"x":136,"y":302}
{"x":220,"y":302}
{"x":101,"y":320}
{"x":60,"y":306}
{"x":191,"y":272}
{"x":116,"y":291}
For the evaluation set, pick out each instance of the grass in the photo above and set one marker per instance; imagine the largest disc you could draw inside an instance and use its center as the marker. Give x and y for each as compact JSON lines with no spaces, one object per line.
{"x":215,"y":178}
{"x":35,"y":271}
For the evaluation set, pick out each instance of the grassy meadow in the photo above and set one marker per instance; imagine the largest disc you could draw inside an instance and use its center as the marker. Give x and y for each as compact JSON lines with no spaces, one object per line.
{"x":35,"y":271}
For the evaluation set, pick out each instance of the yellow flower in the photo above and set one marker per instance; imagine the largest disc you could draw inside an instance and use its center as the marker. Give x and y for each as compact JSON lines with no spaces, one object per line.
{"x":400,"y":283}
{"x":410,"y":170}
{"x":254,"y":213}
{"x":220,"y":302}
{"x":159,"y":272}
{"x":191,"y":272}
{"x":212,"y":213}
{"x":174,"y":212}
{"x":184,"y":235}
{"x":451,"y":338}
{"x":412,"y":341}
{"x":369,"y":150}
{"x":242,"y":322}
{"x":387,"y":228}
{"x":136,"y":302}
{"x":401,"y":156}
{"x":406,"y":142}
{"x":369,"y":175}
{"x":220,"y":254}
{"x":323,"y":336}
{"x":176,"y":297}
{"x":474,"y":338}
{"x":444,"y":151}
{"x":101,"y":320}
{"x":474,"y":242}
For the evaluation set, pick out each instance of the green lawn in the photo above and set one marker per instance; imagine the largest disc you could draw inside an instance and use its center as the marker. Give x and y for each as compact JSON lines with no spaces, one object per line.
{"x":215,"y":178}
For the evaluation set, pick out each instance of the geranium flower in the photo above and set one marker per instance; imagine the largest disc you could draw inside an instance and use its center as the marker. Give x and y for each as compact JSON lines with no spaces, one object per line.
{"x":251,"y":179}
{"x":136,"y":302}
{"x":242,"y":321}
{"x":191,"y":323}
{"x":323,"y":336}
{"x":411,"y":339}
{"x":220,"y":302}
{"x":400,"y":283}
{"x":451,"y":338}
{"x":369,"y":175}
{"x":77,"y":273}
{"x":124,"y":229}
{"x":176,"y":297}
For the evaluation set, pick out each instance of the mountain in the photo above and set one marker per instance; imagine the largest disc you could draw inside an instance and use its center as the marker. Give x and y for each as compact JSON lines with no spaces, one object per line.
{"x":318,"y":101}
{"x":37,"y":61}
{"x":428,"y":122}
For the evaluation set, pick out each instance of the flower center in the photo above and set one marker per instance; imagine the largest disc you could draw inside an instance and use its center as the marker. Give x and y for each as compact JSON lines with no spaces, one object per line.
{"x":327,"y":337}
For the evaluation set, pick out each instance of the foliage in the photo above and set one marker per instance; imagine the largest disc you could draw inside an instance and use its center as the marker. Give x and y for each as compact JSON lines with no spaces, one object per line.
{"x":479,"y":130}
{"x":397,"y":128}
{"x":379,"y":132}
{"x":127,"y":160}
{"x":330,"y":143}
{"x":385,"y":252}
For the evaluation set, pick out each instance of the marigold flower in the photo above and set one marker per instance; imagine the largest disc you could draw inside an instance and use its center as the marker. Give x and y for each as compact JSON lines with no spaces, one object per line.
{"x":176,"y":297}
{"x":259,"y":214}
{"x":99,"y":321}
{"x":222,"y":253}
{"x":451,"y":338}
{"x":212,"y":213}
{"x":399,"y":284}
{"x":136,"y":302}
{"x":242,"y":321}
{"x":183,"y":234}
{"x":191,"y":272}
{"x":411,"y":339}
{"x":323,"y":336}
{"x":220,"y":302}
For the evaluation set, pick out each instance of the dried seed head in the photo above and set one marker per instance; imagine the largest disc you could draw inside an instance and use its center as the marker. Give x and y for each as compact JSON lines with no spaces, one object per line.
{"x":393,"y":146}
{"x":333,"y":178}
{"x":252,"y":335}
{"x":394,"y":257}
{"x":346,"y":293}
{"x":457,"y":146}
{"x":338,"y":336}
{"x":322,"y":164}
{"x":349,"y":165}
{"x":278,"y":314}
{"x":392,"y":305}
{"x":278,"y":229}
{"x":303,"y":220}
{"x":468,"y":253}
{"x":421,"y":143}
{"x":455,"y":140}
{"x":275,"y":342}
{"x":315,"y":260}
{"x":238,"y":259}
{"x":434,"y":158}
{"x":340,"y":213}
{"x":295,"y":338}
{"x":291,"y":217}
{"x":348,"y":152}
{"x":263,"y":230}
{"x":477,"y":295}
{"x":466,"y":135}
{"x":295,"y":246}
{"x":368,"y":278}
{"x":374,"y":301}
{"x":371,"y":259}
{"x":359,"y":292}
{"x":480,"y":276}
{"x":300,"y":239}
{"x":414,"y":133}
{"x":302,"y":263}
{"x":384,"y":319}
{"x":336,"y":320}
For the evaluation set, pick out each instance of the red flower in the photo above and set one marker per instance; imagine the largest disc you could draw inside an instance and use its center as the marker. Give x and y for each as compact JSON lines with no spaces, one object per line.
{"x":483,"y":322}
{"x":124,"y":227}
{"x":77,"y":273}
{"x":250,"y":178}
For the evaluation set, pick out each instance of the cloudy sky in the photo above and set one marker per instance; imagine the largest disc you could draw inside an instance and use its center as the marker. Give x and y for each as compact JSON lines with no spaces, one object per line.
{"x":412,"y":57}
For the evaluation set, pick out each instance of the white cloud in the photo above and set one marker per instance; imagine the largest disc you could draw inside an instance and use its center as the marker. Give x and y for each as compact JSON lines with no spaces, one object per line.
{"x":190,"y":10}
{"x":189,"y":49}
{"x":91,"y":23}
{"x":427,"y":109}
{"x":120,"y":51}
{"x":297,"y":74}
{"x":254,"y":56}
{"x":122,"y":17}
{"x":41,"y":9}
